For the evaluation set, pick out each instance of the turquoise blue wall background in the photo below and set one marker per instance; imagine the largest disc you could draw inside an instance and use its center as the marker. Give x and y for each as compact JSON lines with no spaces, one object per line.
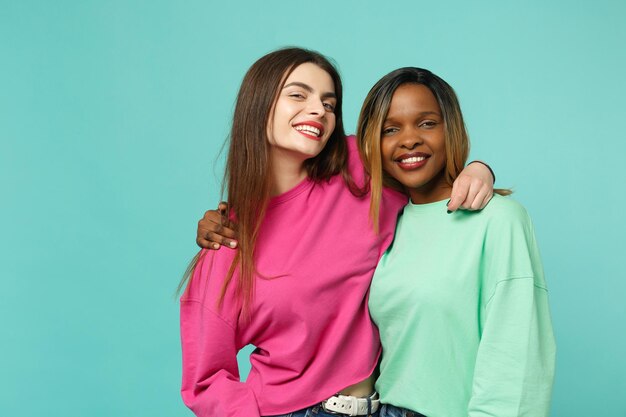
{"x":112,"y":115}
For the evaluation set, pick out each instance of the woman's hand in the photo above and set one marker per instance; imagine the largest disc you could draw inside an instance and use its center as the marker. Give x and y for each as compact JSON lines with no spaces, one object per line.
{"x":472,"y":189}
{"x":215,"y":229}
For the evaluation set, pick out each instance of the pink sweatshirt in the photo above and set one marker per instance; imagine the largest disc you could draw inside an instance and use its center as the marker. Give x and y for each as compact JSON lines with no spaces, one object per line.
{"x":310,"y":321}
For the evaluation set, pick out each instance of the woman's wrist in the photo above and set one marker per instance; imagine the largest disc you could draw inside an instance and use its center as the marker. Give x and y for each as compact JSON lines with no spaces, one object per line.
{"x":488,"y":167}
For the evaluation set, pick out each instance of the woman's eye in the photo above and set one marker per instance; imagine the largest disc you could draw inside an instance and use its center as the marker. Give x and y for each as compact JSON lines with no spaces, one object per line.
{"x":389,"y":130}
{"x":299,"y":96}
{"x":330,"y":107}
{"x":429,"y":124}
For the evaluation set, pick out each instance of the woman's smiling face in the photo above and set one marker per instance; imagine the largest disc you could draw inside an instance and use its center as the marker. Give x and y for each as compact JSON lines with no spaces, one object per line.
{"x":413,"y":143}
{"x":303,"y":117}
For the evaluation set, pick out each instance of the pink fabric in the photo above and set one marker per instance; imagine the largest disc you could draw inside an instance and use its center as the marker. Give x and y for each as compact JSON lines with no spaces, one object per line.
{"x":310,"y":321}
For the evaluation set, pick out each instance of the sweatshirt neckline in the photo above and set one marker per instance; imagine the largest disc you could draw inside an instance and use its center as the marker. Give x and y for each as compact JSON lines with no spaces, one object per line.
{"x":302,"y":186}
{"x":436,"y":206}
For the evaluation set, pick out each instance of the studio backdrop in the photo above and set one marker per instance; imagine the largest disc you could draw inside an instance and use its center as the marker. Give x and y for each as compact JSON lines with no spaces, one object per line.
{"x":113,"y":115}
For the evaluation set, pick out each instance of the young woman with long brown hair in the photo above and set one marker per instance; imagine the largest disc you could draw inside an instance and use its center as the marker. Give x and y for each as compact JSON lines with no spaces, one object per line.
{"x":293,"y":288}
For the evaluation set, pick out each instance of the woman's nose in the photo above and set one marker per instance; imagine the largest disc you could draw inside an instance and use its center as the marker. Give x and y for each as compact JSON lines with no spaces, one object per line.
{"x":410,"y":139}
{"x":316,"y":106}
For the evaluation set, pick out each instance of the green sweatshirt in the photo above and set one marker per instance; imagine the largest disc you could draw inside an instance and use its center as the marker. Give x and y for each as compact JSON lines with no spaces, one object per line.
{"x":462,"y":307}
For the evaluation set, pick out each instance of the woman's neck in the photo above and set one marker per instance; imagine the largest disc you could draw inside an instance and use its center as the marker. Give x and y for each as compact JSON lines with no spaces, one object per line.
{"x":286,"y":174}
{"x":426,"y":198}
{"x":436,"y":189}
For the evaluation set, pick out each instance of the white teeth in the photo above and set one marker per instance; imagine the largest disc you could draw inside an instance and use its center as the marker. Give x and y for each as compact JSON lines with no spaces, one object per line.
{"x":412,"y":159}
{"x":309,"y":129}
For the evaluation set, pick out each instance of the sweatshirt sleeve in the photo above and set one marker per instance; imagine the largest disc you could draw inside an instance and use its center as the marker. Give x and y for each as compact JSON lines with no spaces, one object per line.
{"x":514,"y":368}
{"x":210,"y":385}
{"x":515,"y":362}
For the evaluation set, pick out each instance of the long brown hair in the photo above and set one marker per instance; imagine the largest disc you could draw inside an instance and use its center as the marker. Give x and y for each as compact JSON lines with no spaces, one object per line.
{"x":247,"y":176}
{"x":374,"y":112}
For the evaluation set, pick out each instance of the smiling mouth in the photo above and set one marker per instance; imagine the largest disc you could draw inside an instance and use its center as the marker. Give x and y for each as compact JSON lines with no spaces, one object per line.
{"x":412,"y":161}
{"x":310,"y":130}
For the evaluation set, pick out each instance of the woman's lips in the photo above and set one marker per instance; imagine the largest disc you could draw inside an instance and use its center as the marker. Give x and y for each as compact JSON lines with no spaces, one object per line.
{"x":311,"y":130}
{"x":413,"y":160}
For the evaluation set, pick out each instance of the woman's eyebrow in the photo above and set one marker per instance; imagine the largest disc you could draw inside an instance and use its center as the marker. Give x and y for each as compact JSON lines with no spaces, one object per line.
{"x":299,"y":84}
{"x":309,"y":89}
{"x":421,"y":114}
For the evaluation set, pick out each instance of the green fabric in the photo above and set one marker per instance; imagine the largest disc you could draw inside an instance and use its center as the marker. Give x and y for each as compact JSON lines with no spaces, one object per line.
{"x":462,"y":307}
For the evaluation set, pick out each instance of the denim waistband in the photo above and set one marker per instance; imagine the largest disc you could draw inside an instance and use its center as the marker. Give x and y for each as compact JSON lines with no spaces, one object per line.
{"x":316,"y":411}
{"x":388,"y":410}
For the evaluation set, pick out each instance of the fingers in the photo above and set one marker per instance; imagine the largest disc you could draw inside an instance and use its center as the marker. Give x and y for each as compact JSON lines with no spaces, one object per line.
{"x":222,"y":208}
{"x":215,"y":230}
{"x":473,"y":200}
{"x":460,"y":188}
{"x":487,"y":198}
{"x":202,"y":238}
{"x":216,"y":241}
{"x":205,"y":243}
{"x":469,"y":194}
{"x":225,"y":230}
{"x":212,"y":240}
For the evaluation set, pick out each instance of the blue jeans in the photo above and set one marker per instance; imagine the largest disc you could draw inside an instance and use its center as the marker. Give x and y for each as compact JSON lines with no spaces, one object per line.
{"x":317,"y":411}
{"x":388,"y":410}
